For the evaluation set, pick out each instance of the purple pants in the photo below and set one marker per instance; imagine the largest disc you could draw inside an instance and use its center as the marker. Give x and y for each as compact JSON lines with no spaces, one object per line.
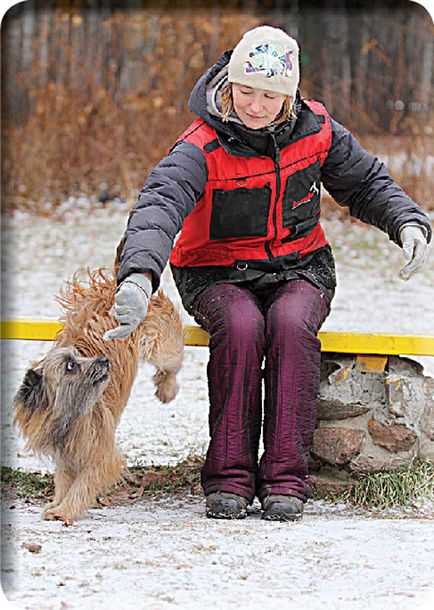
{"x":278,"y":328}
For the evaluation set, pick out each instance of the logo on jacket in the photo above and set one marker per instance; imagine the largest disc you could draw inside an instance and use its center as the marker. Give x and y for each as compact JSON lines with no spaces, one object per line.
{"x":270,"y":60}
{"x":314,"y":189}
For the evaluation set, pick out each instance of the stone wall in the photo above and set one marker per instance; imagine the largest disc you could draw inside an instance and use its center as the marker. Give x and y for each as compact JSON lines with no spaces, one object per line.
{"x":369,"y":421}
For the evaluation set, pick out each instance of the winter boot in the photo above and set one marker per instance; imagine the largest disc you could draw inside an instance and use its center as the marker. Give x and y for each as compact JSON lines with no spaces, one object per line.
{"x":223,"y":505}
{"x":281,"y":508}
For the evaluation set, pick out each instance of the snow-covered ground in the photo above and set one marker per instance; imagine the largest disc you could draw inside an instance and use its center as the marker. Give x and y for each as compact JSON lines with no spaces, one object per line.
{"x":166,"y":554}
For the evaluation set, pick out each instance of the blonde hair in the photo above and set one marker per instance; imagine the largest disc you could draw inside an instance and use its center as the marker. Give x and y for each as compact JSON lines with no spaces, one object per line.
{"x":227,"y":106}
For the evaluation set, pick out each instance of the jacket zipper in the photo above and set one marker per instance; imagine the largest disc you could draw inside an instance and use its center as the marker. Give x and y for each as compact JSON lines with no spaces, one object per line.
{"x":267,"y":244}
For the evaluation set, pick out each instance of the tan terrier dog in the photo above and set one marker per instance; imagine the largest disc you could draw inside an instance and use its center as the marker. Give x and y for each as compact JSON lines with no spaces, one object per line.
{"x":70,"y":402}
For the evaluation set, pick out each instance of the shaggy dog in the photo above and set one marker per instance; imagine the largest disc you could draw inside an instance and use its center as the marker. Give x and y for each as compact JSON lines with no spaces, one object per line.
{"x":70,"y":402}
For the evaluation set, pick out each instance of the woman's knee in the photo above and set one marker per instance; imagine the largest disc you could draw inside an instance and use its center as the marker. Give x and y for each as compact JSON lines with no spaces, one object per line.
{"x":292,"y":323}
{"x":284,"y":322}
{"x":243,"y":323}
{"x":297,"y":313}
{"x":233,"y":311}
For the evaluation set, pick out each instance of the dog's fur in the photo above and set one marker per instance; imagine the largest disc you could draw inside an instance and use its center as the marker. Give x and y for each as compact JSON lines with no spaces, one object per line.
{"x":70,"y":402}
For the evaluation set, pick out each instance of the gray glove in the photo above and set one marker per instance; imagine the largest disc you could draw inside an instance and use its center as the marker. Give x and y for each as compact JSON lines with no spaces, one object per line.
{"x":131,"y":305}
{"x":414,"y":248}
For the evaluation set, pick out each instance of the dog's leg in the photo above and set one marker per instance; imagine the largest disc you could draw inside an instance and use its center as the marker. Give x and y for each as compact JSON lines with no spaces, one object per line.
{"x":166,"y":385}
{"x":62,"y":483}
{"x":80,"y":497}
{"x":91,"y":482}
{"x":167,"y":359}
{"x":162,"y":345}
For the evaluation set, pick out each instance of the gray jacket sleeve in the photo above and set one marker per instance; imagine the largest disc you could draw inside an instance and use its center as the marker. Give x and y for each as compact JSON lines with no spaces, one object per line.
{"x":170,"y":193}
{"x":357,"y":179}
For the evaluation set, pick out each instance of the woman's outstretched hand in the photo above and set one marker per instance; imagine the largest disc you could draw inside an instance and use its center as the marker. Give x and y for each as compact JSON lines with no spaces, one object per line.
{"x":414,"y":249}
{"x":131,"y":305}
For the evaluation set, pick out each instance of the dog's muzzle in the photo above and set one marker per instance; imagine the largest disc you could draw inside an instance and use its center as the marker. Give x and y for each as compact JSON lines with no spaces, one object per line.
{"x":101,"y":369}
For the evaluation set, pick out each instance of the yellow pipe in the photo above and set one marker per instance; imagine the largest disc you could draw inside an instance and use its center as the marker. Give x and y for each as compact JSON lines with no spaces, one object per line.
{"x":30,"y":329}
{"x":342,"y":342}
{"x":376,"y":343}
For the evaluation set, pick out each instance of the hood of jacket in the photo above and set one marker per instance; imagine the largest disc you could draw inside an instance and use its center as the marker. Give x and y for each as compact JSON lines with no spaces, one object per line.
{"x":233,"y":135}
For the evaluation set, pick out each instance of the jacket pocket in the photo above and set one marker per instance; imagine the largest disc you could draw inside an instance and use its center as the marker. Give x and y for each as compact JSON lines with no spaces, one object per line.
{"x":241,"y":212}
{"x":301,"y":201}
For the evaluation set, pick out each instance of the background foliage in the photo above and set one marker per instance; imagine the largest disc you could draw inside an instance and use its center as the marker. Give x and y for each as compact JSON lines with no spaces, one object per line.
{"x":95,"y":92}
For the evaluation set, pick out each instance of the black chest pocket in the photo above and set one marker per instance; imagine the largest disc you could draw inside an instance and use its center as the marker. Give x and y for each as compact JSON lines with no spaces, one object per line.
{"x":240,"y":212}
{"x":301,"y":201}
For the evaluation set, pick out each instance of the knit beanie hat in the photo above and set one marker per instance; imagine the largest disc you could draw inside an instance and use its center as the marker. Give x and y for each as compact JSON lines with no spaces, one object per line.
{"x":266,"y":58}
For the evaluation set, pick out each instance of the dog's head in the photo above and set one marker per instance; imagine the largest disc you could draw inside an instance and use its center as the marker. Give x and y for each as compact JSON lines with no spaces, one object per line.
{"x":59,"y":389}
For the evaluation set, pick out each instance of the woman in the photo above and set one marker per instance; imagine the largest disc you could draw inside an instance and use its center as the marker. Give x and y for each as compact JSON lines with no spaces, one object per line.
{"x":252,"y":263}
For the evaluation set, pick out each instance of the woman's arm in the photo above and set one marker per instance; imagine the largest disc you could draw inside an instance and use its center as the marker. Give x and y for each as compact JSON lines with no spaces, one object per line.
{"x":357,"y":179}
{"x":170,"y":193}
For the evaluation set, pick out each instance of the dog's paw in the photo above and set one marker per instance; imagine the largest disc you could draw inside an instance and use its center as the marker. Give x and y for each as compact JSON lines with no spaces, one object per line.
{"x":167,"y":388}
{"x":51,"y":505}
{"x":53,"y":514}
{"x":48,"y":509}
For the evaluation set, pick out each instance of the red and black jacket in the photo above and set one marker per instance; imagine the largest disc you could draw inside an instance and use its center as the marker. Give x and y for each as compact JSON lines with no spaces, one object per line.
{"x":285,"y":226}
{"x":256,"y":211}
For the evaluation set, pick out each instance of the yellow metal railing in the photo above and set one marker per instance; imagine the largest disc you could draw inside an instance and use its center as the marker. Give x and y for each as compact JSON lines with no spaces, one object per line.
{"x":343,"y":342}
{"x":30,"y":329}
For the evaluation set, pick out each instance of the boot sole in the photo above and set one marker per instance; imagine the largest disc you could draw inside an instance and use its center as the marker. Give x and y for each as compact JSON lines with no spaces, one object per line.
{"x":295,"y":517}
{"x":219,"y":515}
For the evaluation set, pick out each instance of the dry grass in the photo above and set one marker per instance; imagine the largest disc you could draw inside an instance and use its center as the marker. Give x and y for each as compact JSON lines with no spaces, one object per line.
{"x":140,"y":481}
{"x":85,"y":132}
{"x":79,"y":131}
{"x":402,"y":488}
{"x":72,"y":146}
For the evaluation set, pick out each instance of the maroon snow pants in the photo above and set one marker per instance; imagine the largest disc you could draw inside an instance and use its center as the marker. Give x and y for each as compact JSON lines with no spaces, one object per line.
{"x":270,"y":336}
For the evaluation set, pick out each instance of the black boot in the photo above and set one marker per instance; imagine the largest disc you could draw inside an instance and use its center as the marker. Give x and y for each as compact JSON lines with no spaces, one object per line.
{"x":282,"y":508}
{"x":223,"y":505}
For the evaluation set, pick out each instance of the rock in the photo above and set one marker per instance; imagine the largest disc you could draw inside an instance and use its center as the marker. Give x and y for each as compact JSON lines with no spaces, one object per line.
{"x":393,"y":437}
{"x":399,"y":365}
{"x":32,"y":547}
{"x":398,"y":393}
{"x":369,"y":463}
{"x":405,"y":397}
{"x":335,"y":409}
{"x":372,"y":421}
{"x":426,"y":449}
{"x":427,"y":419}
{"x":337,"y":446}
{"x":346,"y":392}
{"x":314,"y":463}
{"x":331,"y":483}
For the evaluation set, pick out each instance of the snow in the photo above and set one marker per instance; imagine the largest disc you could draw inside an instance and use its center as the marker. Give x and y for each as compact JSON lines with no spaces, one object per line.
{"x":164,"y":553}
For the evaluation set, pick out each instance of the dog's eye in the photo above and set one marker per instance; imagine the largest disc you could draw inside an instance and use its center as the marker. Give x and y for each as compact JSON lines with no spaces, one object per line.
{"x":70,"y":365}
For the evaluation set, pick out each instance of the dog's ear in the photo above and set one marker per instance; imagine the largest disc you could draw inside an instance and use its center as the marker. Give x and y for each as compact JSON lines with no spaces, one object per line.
{"x":31,"y":392}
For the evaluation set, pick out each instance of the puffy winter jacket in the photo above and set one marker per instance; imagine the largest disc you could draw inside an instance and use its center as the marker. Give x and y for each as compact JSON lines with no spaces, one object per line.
{"x":256,"y":212}
{"x":353,"y":177}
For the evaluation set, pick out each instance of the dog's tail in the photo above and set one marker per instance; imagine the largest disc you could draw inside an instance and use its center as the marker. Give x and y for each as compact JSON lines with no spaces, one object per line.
{"x":162,"y":344}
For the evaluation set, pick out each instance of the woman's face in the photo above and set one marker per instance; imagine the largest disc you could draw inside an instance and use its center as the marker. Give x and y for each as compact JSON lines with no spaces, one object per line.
{"x":256,"y":108}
